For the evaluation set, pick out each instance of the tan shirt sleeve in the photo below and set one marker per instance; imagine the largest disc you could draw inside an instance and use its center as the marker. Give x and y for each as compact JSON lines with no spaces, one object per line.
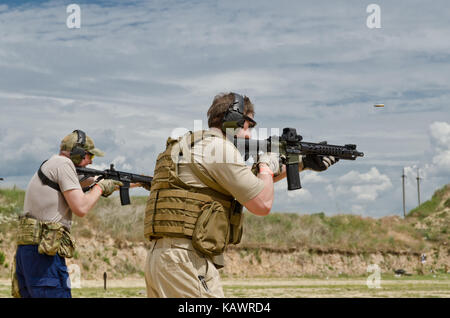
{"x":233,"y":174}
{"x":67,"y":177}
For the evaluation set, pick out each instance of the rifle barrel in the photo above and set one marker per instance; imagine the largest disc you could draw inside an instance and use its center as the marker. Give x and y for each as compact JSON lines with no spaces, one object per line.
{"x":251,"y":147}
{"x":117,"y":175}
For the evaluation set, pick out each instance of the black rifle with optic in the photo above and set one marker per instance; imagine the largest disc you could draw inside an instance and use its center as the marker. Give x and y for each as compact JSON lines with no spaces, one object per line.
{"x":290,"y":146}
{"x":125,"y":177}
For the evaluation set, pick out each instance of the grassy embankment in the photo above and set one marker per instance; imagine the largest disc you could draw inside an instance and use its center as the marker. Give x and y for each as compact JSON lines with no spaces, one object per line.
{"x":424,"y":227}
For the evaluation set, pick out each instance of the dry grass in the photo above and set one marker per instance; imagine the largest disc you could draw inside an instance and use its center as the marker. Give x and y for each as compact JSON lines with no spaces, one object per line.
{"x":120,"y":228}
{"x":123,"y":223}
{"x":341,"y":232}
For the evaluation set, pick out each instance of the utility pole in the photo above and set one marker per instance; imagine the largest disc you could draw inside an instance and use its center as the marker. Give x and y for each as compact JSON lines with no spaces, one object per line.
{"x":403,"y":187}
{"x":418,"y":186}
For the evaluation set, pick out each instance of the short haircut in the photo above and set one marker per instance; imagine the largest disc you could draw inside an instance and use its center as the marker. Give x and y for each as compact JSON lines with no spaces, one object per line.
{"x":220,"y":105}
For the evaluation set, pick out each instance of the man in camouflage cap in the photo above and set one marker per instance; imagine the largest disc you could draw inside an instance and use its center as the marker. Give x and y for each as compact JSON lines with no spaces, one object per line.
{"x":44,"y":239}
{"x":68,"y":143}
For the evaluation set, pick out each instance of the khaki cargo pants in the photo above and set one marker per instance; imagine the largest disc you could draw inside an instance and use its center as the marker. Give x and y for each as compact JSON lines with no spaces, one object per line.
{"x":174,"y":269}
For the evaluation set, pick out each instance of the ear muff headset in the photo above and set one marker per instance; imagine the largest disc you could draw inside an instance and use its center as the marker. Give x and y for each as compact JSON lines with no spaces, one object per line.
{"x":234,"y":117}
{"x":78,"y":153}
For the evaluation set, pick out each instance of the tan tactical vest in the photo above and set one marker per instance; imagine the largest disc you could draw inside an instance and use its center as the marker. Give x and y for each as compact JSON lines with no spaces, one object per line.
{"x":210,"y":218}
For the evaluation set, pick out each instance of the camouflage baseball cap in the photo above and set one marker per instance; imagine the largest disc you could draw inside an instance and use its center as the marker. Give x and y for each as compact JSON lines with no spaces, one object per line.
{"x":70,"y":141}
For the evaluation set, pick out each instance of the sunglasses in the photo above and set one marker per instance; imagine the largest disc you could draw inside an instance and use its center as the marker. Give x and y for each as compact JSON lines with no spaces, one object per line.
{"x":251,"y":122}
{"x":91,"y":155}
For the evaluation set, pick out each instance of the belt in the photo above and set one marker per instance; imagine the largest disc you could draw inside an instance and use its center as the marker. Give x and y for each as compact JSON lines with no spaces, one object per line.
{"x":29,"y":216}
{"x":184,"y":243}
{"x":172,"y":242}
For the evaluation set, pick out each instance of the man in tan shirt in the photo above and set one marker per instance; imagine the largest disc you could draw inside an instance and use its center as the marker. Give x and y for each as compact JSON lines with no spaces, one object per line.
{"x":186,"y":247}
{"x":53,"y":193}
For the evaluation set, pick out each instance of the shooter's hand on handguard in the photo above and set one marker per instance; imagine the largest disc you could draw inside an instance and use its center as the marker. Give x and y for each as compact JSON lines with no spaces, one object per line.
{"x":318,"y":163}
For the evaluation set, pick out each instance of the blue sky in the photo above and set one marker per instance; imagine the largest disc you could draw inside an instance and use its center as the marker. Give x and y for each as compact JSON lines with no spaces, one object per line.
{"x":137,"y":70}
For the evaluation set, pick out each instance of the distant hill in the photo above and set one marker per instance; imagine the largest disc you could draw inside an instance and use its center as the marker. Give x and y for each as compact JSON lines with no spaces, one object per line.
{"x":110,"y":238}
{"x":432,"y":217}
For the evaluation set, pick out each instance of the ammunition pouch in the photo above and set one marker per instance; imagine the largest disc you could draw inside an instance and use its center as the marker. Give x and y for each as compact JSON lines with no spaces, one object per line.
{"x":212,"y":230}
{"x":52,"y":238}
{"x":67,"y":246}
{"x":215,"y":228}
{"x":29,"y":231}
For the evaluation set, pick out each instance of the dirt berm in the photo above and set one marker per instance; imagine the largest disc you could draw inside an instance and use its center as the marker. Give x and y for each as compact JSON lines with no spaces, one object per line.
{"x":110,"y":240}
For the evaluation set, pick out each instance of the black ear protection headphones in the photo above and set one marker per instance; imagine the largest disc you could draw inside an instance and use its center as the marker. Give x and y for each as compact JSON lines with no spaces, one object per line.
{"x":78,"y":152}
{"x":234,"y":116}
{"x":238,"y":103}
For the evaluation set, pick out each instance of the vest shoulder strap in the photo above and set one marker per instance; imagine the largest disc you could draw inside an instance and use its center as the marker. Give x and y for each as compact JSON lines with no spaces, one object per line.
{"x":45,"y":180}
{"x":204,"y":178}
{"x":192,"y":138}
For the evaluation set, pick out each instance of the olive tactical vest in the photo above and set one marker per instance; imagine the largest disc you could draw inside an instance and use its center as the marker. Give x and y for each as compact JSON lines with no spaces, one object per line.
{"x":212,"y":219}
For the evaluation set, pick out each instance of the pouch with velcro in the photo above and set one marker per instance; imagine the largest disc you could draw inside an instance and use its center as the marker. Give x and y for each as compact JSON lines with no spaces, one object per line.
{"x":212,"y":230}
{"x":50,"y":238}
{"x":28,"y":231}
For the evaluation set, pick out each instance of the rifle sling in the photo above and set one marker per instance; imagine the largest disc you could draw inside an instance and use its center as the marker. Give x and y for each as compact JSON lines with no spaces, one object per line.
{"x":45,"y":180}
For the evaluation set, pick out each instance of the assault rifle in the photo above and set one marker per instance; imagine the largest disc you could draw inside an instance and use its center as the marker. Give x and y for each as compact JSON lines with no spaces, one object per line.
{"x":289,"y":146}
{"x":125,"y":177}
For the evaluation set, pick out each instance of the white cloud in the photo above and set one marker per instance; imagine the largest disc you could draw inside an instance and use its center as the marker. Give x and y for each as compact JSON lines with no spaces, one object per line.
{"x":302,"y":195}
{"x":372,"y":176}
{"x":120,"y":163}
{"x":256,"y":81}
{"x":442,"y":161}
{"x":440,"y":132}
{"x":437,"y":163}
{"x":360,"y":187}
{"x":312,"y":177}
